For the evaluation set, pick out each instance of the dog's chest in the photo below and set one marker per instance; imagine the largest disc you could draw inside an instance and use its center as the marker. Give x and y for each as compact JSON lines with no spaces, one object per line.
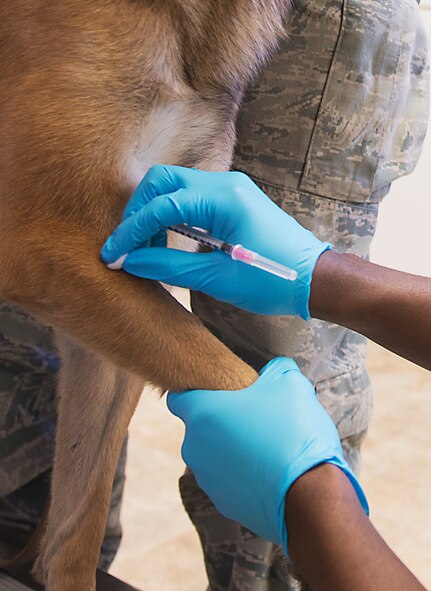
{"x":181,"y":132}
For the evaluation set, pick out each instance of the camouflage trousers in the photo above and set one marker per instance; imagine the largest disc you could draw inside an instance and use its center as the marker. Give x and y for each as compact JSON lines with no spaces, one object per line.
{"x":335,"y":118}
{"x":331,"y":356}
{"x":20,"y":513}
{"x":28,"y":375}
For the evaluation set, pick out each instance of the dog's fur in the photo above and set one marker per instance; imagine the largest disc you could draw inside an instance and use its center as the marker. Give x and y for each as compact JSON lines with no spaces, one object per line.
{"x":92,"y":94}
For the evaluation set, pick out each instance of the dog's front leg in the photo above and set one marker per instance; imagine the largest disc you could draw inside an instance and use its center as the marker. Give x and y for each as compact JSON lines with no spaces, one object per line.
{"x":96,"y":403}
{"x":132,"y":322}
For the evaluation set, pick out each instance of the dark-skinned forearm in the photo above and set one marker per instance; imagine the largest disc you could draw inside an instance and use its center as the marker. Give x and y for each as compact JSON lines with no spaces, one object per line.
{"x":389,"y":307}
{"x":332,"y":543}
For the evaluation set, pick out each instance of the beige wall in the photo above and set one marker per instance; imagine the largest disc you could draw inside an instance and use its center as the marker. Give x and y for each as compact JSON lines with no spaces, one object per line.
{"x":403,"y":238}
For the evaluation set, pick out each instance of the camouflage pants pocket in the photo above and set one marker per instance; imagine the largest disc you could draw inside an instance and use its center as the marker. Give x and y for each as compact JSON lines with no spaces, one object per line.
{"x":341,"y":110}
{"x":372,"y":118}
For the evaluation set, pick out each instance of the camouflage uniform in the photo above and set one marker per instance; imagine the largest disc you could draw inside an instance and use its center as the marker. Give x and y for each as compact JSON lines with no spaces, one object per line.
{"x":337,"y":115}
{"x":28,"y":375}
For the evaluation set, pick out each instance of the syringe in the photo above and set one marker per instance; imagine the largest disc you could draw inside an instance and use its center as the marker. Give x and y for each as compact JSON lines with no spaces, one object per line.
{"x":236,"y":251}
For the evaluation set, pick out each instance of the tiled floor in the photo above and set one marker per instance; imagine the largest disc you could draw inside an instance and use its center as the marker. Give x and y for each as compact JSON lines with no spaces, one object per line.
{"x":160,"y":551}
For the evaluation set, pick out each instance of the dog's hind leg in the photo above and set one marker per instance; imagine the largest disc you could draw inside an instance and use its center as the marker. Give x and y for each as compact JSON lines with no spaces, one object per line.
{"x":96,"y":403}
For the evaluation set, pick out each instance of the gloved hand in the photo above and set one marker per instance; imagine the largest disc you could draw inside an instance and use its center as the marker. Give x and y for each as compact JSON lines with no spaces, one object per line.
{"x":247,"y":448}
{"x":232,"y":208}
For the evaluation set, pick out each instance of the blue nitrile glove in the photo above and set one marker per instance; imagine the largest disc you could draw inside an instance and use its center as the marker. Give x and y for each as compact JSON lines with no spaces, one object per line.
{"x":232,"y":208}
{"x":247,"y":448}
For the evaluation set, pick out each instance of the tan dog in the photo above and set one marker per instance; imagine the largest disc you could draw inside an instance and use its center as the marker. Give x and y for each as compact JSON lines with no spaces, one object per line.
{"x":92,"y":94}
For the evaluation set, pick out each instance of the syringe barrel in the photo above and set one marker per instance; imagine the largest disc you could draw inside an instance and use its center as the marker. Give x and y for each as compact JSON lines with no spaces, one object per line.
{"x":249,"y":257}
{"x":199,"y":235}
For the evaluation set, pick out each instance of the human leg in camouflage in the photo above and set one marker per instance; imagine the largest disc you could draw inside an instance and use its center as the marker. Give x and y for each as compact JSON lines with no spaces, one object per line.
{"x":21,"y":511}
{"x":331,"y":356}
{"x":28,"y":375}
{"x":338,"y":115}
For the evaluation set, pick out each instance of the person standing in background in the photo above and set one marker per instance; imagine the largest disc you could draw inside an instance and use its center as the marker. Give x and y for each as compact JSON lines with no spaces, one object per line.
{"x":337,"y":115}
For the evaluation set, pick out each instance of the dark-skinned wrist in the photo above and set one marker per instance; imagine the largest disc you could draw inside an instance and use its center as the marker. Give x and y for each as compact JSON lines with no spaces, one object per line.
{"x":318,"y":506}
{"x":332,"y":544}
{"x":314,"y":494}
{"x":342,"y":290}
